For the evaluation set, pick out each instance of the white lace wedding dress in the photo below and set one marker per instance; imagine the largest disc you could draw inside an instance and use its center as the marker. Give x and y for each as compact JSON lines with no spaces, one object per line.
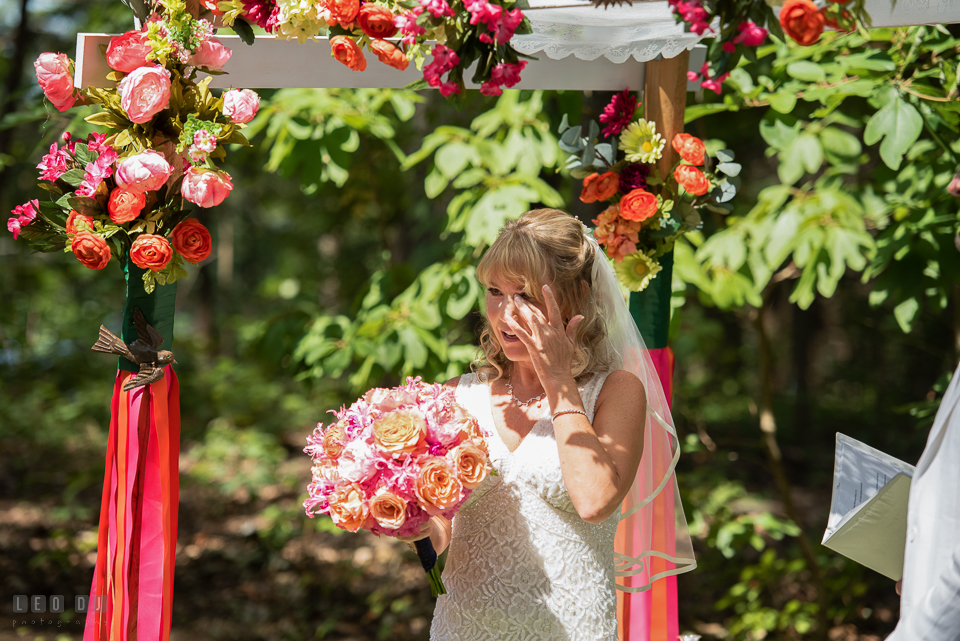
{"x":522,"y":564}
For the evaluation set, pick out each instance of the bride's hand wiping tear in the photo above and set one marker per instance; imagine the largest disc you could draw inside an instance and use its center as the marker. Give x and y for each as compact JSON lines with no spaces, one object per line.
{"x":551,"y":345}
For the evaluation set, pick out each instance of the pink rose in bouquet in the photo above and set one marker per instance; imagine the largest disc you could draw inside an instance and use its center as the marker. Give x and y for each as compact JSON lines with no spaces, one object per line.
{"x":147,"y":171}
{"x":210,"y":55}
{"x":205,"y":187}
{"x":240,"y":105}
{"x":145,"y":93}
{"x":128,"y":51}
{"x":395,"y":458}
{"x":56,"y":80}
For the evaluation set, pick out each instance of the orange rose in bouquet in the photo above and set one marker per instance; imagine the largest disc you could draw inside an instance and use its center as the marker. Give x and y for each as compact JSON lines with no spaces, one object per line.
{"x":600,"y":187}
{"x":192,"y":240}
{"x":690,"y":148}
{"x":91,"y":250}
{"x":802,"y":21}
{"x":400,"y":433}
{"x":692,"y":179}
{"x":124,"y":205}
{"x":437,"y":485}
{"x":389,"y":54}
{"x":376,"y":21}
{"x":150,"y":251}
{"x":348,"y":52}
{"x":638,"y":205}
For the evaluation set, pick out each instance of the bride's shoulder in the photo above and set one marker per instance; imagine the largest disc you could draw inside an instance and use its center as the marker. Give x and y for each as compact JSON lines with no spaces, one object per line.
{"x":621,"y":382}
{"x":453,"y":382}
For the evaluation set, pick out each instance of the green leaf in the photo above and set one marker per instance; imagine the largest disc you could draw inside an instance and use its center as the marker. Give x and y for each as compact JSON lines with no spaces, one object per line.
{"x":435,"y":183}
{"x":840,"y":143}
{"x":73,"y":177}
{"x":453,"y":158}
{"x":783,"y":102}
{"x":806,"y":71}
{"x":243,"y":29}
{"x":808,"y":148}
{"x":905,"y":313}
{"x":899,"y":124}
{"x":708,"y":109}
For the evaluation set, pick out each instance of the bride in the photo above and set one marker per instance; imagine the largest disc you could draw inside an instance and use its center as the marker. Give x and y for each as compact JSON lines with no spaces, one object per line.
{"x":570,"y":398}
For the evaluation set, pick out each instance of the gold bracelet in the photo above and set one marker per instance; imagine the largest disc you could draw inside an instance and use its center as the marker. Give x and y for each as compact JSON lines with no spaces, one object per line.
{"x":568,"y":411}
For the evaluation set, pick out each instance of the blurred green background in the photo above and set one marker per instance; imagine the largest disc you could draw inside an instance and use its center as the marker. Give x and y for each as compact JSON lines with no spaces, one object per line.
{"x":343,"y":259}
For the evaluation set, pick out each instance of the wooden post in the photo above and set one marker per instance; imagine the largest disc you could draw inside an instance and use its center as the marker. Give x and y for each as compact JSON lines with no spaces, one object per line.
{"x":664,"y":101}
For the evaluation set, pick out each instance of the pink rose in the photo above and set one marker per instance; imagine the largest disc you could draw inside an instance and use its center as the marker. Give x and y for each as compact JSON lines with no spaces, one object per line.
{"x":53,"y":74}
{"x":205,"y":187}
{"x":357,"y":462}
{"x":147,"y":171}
{"x":128,"y":51}
{"x":240,"y":105}
{"x":145,"y":93}
{"x":210,"y":55}
{"x":751,"y":34}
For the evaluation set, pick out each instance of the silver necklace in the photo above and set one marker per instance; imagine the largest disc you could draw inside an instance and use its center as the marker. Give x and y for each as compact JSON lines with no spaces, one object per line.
{"x":537,"y":399}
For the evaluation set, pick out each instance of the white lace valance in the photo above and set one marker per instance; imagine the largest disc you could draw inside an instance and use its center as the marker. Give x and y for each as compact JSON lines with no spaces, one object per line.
{"x":642,"y":31}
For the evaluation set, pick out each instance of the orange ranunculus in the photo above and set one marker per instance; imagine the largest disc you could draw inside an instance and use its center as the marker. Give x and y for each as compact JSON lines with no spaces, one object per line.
{"x":91,"y":250}
{"x":638,"y":205}
{"x":690,"y":148}
{"x":348,"y":52}
{"x":376,"y":21}
{"x":192,"y":240}
{"x":470,"y":462}
{"x":333,"y":441}
{"x":124,"y":205}
{"x":437,"y":487}
{"x":342,"y":12}
{"x":801,"y":21}
{"x":389,"y":54}
{"x":400,"y":433}
{"x":691,"y":179}
{"x":388,"y":509}
{"x":347,"y":507}
{"x":600,"y":186}
{"x":150,"y":251}
{"x":76,"y":217}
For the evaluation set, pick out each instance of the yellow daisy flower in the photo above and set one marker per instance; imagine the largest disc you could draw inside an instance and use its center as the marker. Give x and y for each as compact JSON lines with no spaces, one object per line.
{"x":637,"y":270}
{"x":641,"y":142}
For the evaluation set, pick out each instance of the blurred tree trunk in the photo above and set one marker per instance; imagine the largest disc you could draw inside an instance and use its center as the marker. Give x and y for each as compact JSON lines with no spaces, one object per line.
{"x":768,"y":435}
{"x":11,"y":101}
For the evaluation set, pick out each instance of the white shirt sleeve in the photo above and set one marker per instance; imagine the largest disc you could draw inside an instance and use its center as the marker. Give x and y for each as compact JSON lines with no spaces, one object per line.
{"x":936,"y":615}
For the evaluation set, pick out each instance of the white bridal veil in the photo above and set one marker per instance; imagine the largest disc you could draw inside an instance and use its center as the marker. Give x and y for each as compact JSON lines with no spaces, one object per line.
{"x":652,"y":540}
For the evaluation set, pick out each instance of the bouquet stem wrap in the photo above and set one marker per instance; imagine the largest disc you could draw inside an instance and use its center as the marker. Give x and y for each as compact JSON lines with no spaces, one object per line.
{"x":131,"y":595}
{"x":653,"y":615}
{"x":428,"y":559}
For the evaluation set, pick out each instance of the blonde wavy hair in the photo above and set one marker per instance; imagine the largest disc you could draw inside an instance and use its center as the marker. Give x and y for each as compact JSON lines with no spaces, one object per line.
{"x":546,"y":246}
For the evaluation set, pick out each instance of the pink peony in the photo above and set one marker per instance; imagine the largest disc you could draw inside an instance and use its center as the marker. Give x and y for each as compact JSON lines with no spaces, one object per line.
{"x":205,"y":187}
{"x":145,"y":93}
{"x":54,"y":76}
{"x":128,"y":51}
{"x":240,"y":105}
{"x":147,"y":171}
{"x":210,"y":55}
{"x":358,"y":461}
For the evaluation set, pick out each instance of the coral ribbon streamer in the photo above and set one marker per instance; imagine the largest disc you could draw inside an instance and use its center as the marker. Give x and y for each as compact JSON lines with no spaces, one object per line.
{"x":654,"y":615}
{"x":131,"y":595}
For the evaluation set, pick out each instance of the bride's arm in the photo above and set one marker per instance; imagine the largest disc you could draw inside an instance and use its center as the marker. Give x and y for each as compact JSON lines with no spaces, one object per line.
{"x":599,"y":461}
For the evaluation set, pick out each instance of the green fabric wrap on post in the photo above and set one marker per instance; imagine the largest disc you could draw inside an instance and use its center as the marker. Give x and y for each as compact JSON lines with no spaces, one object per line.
{"x":157,"y":308}
{"x":651,"y":307}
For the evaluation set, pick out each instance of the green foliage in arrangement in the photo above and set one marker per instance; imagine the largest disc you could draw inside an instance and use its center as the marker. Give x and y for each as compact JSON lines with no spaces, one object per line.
{"x":864,"y":136}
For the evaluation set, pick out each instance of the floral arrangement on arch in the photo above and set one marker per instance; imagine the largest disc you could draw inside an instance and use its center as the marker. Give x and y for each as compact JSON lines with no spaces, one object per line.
{"x":456,"y":33}
{"x":644,"y":215}
{"x":125,"y":194}
{"x":738,"y":27}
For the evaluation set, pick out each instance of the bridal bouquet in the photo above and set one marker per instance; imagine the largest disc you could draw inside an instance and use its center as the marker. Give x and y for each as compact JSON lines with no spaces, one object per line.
{"x":645,"y":214}
{"x":395,"y":458}
{"x":124,"y":195}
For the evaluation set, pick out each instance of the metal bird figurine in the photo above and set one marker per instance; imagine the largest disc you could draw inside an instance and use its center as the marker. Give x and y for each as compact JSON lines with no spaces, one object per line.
{"x":142,"y":351}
